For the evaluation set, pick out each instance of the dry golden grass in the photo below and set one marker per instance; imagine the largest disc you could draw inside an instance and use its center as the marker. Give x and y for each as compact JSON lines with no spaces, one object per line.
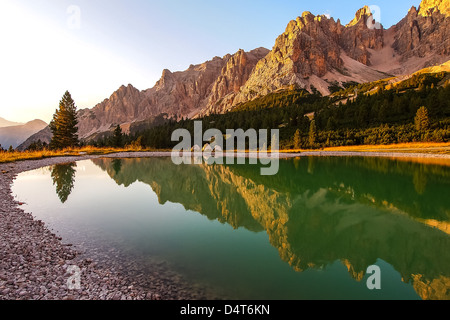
{"x":34,"y":155}
{"x":413,"y":147}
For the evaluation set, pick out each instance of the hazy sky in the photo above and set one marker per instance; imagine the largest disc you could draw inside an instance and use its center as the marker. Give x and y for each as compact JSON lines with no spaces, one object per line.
{"x":92,"y":47}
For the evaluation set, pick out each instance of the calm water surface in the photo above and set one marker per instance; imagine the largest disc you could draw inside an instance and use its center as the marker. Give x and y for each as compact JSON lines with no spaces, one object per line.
{"x":310,"y":232}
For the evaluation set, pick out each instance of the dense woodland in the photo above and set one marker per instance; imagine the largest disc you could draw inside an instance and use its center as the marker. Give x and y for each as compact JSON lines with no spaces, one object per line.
{"x":355,"y":114}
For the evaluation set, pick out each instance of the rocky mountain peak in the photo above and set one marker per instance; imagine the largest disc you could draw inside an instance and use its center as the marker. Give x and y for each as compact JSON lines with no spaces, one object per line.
{"x":428,"y":7}
{"x":413,"y":11}
{"x":167,"y":76}
{"x":124,"y":91}
{"x":234,"y":75}
{"x":361,"y":16}
{"x":422,"y":37}
{"x":125,"y":105}
{"x":307,"y":14}
{"x":305,"y":23}
{"x":310,"y":48}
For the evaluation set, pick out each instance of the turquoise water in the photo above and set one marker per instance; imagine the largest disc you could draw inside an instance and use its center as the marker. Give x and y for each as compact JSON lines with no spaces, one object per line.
{"x":309,"y":232}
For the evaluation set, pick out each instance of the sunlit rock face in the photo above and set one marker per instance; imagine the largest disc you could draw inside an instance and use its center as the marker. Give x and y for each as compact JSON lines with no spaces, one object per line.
{"x":424,"y":33}
{"x":127,"y":104}
{"x":429,"y":7}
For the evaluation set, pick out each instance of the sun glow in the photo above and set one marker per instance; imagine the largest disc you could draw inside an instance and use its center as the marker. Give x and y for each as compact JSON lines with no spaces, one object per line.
{"x":41,"y":59}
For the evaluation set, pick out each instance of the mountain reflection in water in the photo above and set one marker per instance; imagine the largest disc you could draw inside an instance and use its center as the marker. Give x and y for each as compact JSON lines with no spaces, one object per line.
{"x":320,"y":210}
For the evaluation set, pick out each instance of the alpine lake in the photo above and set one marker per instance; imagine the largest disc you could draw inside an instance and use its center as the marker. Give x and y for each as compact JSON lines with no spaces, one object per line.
{"x":312,"y":231}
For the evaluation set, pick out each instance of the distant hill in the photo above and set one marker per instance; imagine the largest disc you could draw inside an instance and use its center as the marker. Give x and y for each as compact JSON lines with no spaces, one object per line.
{"x":7,"y":123}
{"x":15,"y":135}
{"x":45,"y":135}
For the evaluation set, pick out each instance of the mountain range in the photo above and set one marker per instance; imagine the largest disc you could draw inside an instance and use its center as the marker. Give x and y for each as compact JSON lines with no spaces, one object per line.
{"x":13,"y":135}
{"x":314,"y":53}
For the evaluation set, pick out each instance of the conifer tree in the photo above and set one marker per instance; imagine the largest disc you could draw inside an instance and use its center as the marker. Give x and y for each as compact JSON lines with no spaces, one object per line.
{"x":64,"y":124}
{"x":422,"y":121}
{"x":297,"y":140}
{"x":312,"y":133}
{"x":118,"y":137}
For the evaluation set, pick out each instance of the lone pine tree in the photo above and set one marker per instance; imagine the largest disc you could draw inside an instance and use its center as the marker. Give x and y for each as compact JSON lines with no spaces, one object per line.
{"x":64,"y":124}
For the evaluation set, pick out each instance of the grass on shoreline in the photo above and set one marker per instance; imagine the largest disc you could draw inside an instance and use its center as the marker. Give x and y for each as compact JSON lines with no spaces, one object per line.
{"x":412,"y":147}
{"x":6,"y":157}
{"x":415,"y":147}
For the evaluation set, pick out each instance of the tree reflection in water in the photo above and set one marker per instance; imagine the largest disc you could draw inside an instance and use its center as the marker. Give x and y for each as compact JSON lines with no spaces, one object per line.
{"x":63,"y":176}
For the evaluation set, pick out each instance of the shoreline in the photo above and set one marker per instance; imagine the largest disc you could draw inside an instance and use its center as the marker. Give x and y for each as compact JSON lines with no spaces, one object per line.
{"x":34,"y":261}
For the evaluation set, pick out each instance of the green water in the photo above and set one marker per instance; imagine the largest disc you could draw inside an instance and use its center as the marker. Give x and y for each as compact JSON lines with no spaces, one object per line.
{"x":309,"y":232}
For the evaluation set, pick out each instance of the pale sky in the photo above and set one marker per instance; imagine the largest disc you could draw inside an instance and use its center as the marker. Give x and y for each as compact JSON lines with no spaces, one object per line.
{"x":92,"y":47}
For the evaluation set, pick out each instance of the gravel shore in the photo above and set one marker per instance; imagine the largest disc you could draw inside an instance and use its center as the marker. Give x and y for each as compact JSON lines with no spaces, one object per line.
{"x":35,"y":263}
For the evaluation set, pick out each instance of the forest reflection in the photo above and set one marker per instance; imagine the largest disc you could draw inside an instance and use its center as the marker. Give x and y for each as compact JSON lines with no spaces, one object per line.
{"x":63,"y":176}
{"x":320,"y":210}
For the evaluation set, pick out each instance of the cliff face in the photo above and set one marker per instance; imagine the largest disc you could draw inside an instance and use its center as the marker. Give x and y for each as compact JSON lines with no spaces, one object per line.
{"x":233,"y":76}
{"x":361,"y":34}
{"x":307,"y":47}
{"x":182,"y":93}
{"x":424,"y":33}
{"x":125,"y":105}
